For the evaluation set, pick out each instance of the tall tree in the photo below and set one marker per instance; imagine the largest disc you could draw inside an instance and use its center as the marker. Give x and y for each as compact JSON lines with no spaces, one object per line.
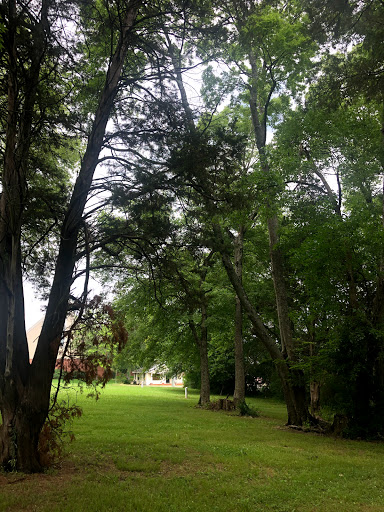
{"x":30,"y":50}
{"x":270,"y":48}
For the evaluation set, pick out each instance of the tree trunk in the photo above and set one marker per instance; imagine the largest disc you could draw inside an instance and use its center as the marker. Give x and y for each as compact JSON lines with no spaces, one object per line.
{"x":294,"y":392}
{"x":205,"y":390}
{"x":259,"y":122}
{"x":314,"y":388}
{"x":287,"y":344}
{"x":239,"y":392}
{"x":23,"y":418}
{"x":202,"y":343}
{"x":18,"y":449}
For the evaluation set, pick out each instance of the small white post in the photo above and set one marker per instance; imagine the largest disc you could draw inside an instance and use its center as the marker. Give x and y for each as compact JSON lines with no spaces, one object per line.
{"x":186,"y":392}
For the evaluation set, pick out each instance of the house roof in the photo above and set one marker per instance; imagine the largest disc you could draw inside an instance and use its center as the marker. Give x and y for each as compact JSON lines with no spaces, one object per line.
{"x":33,"y":334}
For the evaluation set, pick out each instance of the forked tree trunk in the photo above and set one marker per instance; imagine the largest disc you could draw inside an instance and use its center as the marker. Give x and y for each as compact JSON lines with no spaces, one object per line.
{"x":23,"y":412}
{"x":18,"y":436}
{"x":25,"y":389}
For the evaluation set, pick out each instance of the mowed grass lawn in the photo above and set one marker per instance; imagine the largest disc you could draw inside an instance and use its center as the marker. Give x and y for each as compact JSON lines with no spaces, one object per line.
{"x":150,"y":449}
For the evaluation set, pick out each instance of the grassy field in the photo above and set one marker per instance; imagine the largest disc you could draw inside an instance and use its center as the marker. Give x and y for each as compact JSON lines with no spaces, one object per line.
{"x":149,"y":449}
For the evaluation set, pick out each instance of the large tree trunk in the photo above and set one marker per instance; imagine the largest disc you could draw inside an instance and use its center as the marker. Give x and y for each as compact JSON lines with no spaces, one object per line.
{"x":18,"y":442}
{"x":294,"y":391}
{"x":239,"y":392}
{"x":23,"y":418}
{"x":205,"y":390}
{"x":25,"y":389}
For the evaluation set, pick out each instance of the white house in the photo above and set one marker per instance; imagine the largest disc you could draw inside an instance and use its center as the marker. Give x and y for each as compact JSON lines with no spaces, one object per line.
{"x":156,"y":376}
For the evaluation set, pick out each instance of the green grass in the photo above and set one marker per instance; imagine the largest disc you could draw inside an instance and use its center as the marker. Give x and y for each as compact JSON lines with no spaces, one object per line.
{"x":140,"y":449}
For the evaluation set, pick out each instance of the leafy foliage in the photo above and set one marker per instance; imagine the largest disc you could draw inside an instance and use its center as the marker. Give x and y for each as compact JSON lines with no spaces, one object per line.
{"x":55,"y":432}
